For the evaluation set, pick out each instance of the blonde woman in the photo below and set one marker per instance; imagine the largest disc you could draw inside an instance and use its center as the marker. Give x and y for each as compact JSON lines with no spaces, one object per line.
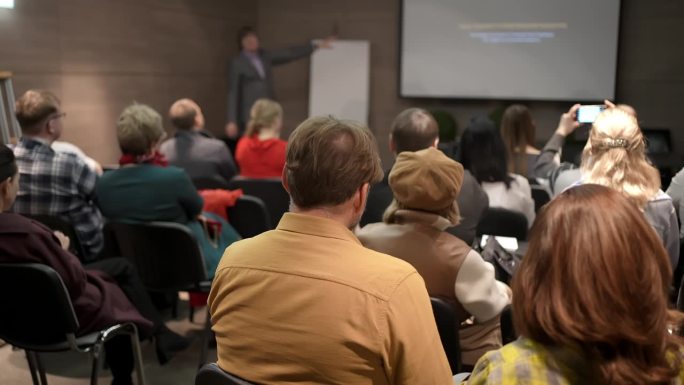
{"x":614,"y":156}
{"x":261,"y":153}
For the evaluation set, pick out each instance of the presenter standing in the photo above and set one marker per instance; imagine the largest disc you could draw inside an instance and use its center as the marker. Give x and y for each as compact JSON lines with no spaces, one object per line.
{"x":251,"y":78}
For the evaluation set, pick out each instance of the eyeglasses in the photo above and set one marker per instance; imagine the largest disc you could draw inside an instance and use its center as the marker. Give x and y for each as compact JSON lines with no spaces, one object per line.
{"x":57,"y":116}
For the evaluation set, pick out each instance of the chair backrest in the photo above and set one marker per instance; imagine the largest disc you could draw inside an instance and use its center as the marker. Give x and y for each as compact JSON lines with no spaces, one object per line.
{"x":447,"y":326}
{"x":55,"y":223}
{"x":36,"y":306}
{"x":540,"y":195}
{"x":210,"y":183}
{"x":249,"y":216}
{"x":166,"y":254}
{"x":502,"y":222}
{"x":508,"y":333}
{"x":211,"y":374}
{"x":269,"y":190}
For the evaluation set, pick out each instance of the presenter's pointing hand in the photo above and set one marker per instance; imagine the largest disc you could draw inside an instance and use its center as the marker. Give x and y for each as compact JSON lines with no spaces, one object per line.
{"x":326,"y":43}
{"x":232,"y":130}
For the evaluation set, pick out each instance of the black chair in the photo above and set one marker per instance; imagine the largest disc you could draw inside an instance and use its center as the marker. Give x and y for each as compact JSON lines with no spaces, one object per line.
{"x":540,"y":195}
{"x":502,"y":222}
{"x":447,"y":326}
{"x":211,"y":374}
{"x":168,"y":259}
{"x":210,"y":183}
{"x":269,"y":190}
{"x":58,"y":224}
{"x":508,"y":333}
{"x":249,"y":216}
{"x":39,"y":317}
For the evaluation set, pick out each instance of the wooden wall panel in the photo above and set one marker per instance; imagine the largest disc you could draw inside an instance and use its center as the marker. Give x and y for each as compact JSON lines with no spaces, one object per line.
{"x":100,"y":55}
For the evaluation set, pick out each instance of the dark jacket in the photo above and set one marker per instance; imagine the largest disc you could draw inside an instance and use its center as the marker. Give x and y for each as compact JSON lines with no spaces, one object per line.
{"x":201,"y":157}
{"x":97,"y":299}
{"x":246,"y":85}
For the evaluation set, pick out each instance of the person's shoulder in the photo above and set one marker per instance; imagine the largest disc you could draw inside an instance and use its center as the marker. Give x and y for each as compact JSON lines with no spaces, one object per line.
{"x":19,"y":224}
{"x":520,"y":362}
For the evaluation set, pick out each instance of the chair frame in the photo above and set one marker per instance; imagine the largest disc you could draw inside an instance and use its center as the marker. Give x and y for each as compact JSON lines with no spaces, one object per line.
{"x":212,"y":374}
{"x":83,"y":344}
{"x":200,"y":284}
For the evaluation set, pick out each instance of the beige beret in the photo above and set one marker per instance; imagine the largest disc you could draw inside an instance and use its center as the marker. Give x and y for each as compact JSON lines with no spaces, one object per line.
{"x":426,"y":179}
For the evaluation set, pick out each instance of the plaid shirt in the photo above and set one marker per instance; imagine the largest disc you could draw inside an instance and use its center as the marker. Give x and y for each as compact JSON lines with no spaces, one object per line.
{"x":526,"y":362}
{"x":59,"y":184}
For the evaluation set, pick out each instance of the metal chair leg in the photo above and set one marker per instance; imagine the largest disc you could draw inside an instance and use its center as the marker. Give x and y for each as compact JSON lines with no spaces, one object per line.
{"x":96,"y":354}
{"x":137,"y":355}
{"x":206,"y":335}
{"x":31,"y":359}
{"x":41,"y":368}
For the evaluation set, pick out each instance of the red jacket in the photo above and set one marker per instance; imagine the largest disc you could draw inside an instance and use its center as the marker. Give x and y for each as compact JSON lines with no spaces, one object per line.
{"x":260,"y":158}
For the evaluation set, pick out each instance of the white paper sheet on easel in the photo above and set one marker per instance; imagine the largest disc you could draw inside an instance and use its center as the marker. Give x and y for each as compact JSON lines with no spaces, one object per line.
{"x":340,"y":79}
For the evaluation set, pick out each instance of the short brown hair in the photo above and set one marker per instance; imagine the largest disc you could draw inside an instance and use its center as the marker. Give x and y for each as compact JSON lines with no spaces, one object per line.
{"x":328,"y":160}
{"x":596,"y":277}
{"x":413,"y":130}
{"x":182,"y":114}
{"x":33,"y":107}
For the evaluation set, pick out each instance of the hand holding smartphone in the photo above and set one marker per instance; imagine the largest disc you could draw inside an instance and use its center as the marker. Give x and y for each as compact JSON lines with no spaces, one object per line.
{"x":589,"y":113}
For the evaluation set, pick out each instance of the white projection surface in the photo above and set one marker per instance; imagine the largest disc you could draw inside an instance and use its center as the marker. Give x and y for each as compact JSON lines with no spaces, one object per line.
{"x":340,"y":78}
{"x":509,"y":49}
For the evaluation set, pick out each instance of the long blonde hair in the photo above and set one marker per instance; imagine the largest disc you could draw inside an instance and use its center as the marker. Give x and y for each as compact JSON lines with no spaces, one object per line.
{"x":615,"y":157}
{"x":264,"y":113}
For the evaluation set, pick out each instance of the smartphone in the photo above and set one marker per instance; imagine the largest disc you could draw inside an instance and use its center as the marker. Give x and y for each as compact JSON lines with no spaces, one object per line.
{"x":589,"y":113}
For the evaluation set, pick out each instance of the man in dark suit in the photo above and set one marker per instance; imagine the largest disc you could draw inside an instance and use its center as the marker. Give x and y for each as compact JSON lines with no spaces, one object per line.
{"x":413,"y":130}
{"x":251,"y":78}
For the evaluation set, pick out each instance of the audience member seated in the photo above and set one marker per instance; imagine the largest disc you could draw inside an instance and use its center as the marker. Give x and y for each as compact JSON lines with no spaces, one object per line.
{"x":306,"y":303}
{"x":415,"y":129}
{"x":260,"y":153}
{"x":615,"y":157}
{"x":52,"y":182}
{"x":548,"y":167}
{"x":518,"y":133}
{"x":103,"y":293}
{"x":676,"y":192}
{"x":190,"y":149}
{"x":144,"y":190}
{"x":590,"y":300}
{"x":425,"y":185}
{"x":484,"y":154}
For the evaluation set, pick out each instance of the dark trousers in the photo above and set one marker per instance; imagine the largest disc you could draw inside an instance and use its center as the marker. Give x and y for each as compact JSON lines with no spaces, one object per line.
{"x":119,"y":353}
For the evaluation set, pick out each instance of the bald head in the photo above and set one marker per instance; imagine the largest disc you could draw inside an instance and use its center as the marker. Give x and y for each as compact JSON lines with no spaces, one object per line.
{"x":413,"y":129}
{"x":186,"y":115}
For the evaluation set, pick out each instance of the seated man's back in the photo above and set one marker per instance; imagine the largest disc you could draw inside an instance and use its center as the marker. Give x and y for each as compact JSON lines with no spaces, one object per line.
{"x":201,"y":157}
{"x":306,"y":303}
{"x":58,"y":184}
{"x":192,"y":150}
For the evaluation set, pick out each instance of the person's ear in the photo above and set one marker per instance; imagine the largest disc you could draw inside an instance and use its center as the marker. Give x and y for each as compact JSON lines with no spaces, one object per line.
{"x":392,"y":145}
{"x":284,"y":179}
{"x":49,"y":126}
{"x":361,"y":196}
{"x":435,"y":143}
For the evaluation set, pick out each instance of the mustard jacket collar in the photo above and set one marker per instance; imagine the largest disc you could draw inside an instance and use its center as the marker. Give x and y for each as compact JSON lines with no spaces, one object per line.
{"x":313,"y":225}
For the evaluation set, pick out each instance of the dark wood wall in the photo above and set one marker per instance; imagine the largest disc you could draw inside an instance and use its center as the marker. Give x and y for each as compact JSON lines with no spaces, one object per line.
{"x":100,"y":55}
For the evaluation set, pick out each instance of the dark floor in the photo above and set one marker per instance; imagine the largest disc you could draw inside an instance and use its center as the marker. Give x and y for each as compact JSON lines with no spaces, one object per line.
{"x":74,"y":369}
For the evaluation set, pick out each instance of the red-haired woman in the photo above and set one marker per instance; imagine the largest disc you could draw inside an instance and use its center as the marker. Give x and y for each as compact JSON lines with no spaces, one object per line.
{"x":590,"y":299}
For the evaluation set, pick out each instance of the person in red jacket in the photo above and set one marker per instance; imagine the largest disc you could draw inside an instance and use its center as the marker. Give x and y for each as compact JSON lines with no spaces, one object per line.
{"x":260,"y":153}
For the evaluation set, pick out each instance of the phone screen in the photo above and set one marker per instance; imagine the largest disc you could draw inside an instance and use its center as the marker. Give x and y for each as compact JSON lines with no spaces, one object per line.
{"x":588,"y":114}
